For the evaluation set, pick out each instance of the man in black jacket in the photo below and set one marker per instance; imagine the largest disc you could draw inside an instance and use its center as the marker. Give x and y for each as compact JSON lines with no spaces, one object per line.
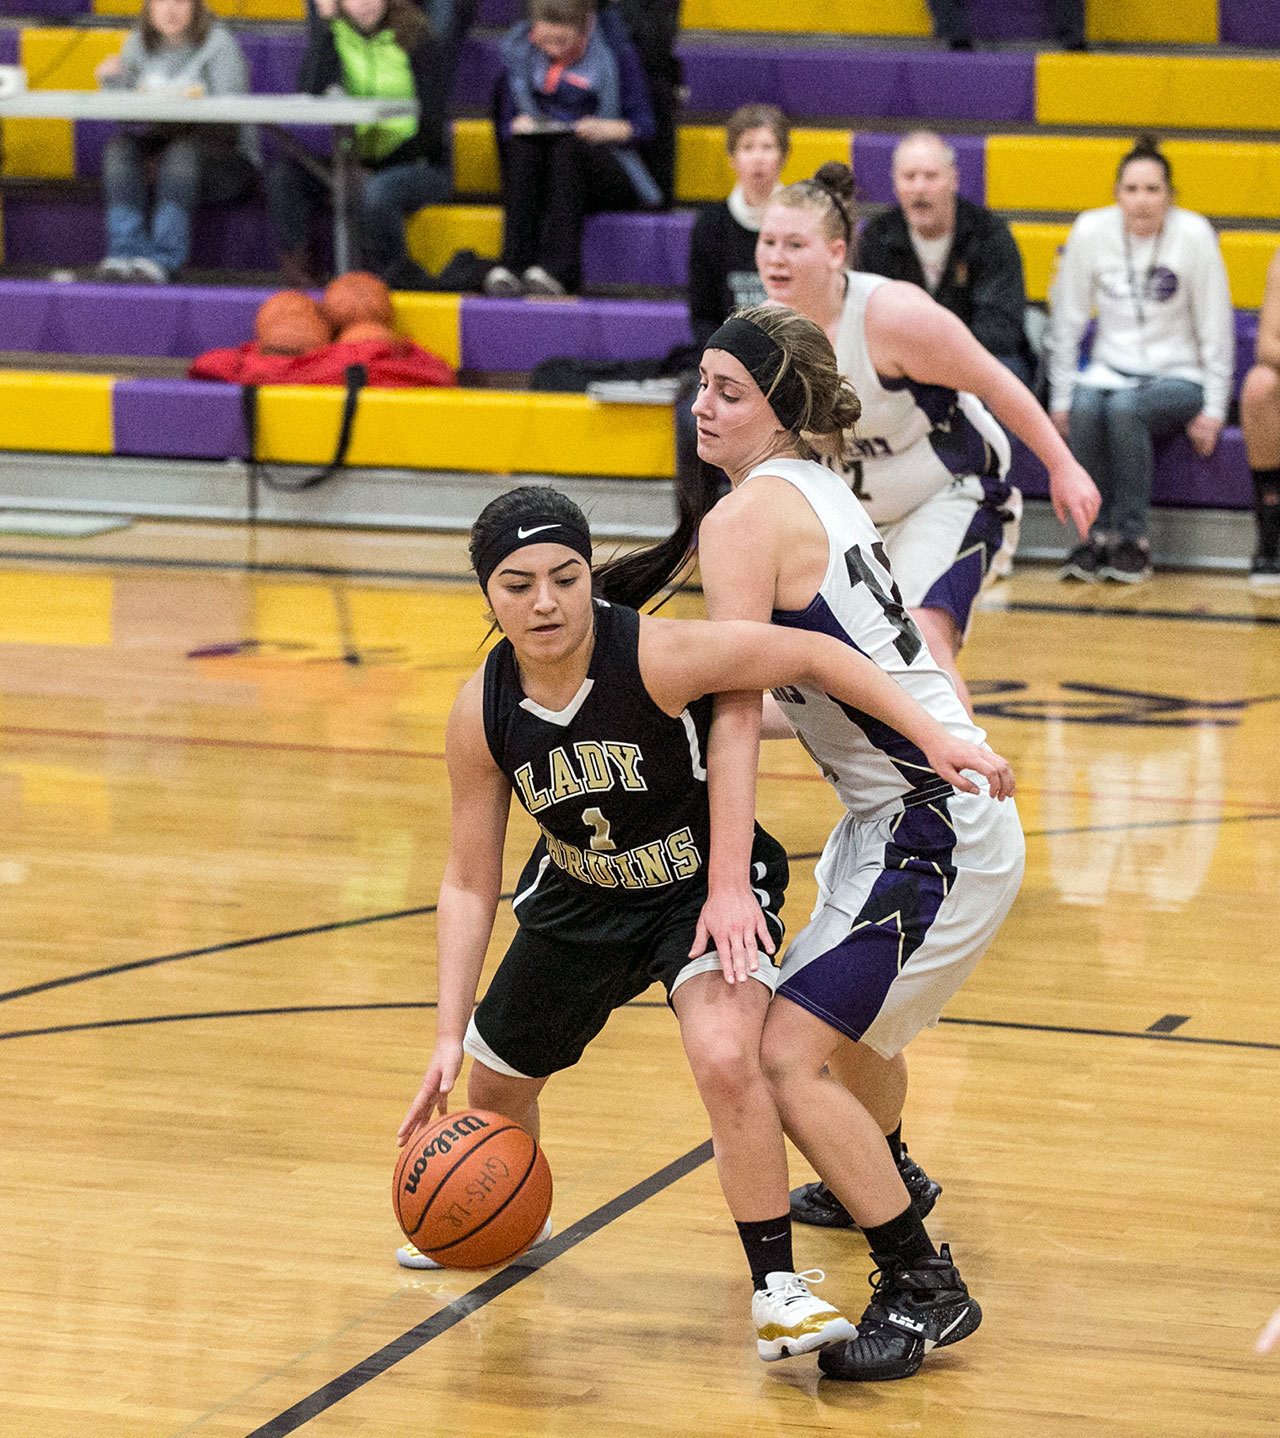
{"x":963,"y":254}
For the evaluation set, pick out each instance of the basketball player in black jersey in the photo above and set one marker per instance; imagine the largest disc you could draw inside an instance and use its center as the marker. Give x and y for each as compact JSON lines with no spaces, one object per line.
{"x":597,"y":720}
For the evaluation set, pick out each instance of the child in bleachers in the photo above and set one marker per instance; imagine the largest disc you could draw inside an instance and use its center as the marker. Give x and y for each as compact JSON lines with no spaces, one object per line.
{"x":1163,"y":352}
{"x":567,"y":147}
{"x":155,"y":175}
{"x":376,"y":49}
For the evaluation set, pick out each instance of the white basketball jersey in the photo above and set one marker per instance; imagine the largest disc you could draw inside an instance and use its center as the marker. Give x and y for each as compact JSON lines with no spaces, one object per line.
{"x":873,"y":768}
{"x":913,"y":440}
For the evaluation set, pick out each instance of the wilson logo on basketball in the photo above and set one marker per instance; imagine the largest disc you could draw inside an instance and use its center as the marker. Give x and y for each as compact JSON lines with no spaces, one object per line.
{"x":441,"y":1144}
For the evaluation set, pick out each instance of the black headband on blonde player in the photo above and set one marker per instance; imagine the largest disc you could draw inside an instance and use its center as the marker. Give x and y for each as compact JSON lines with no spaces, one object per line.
{"x":531,"y":514}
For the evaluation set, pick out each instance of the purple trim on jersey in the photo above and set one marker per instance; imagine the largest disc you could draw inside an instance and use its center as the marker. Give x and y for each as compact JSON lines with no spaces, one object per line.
{"x":847,"y":986}
{"x":957,"y":588}
{"x":956,"y":440}
{"x":909,"y":761}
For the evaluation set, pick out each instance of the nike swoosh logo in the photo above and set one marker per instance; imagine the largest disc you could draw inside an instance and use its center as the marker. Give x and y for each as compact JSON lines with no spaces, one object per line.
{"x":537,"y":529}
{"x":950,"y":1326}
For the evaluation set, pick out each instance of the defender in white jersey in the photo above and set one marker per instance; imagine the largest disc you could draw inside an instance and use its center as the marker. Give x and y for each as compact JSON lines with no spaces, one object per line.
{"x":913,"y":883}
{"x":928,"y":459}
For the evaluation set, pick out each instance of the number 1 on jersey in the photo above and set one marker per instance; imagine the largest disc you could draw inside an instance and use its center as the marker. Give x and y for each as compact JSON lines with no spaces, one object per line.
{"x":600,"y":840}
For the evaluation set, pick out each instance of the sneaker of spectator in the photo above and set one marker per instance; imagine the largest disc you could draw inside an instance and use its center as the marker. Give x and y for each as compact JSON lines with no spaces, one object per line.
{"x":148,"y":271}
{"x":502,"y":284}
{"x":538,"y":281}
{"x":113,"y":271}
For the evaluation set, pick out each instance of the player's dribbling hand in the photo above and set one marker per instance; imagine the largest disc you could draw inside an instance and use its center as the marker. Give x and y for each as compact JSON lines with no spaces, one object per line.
{"x":442,"y":1074}
{"x":949,"y":756}
{"x":1075,"y":496}
{"x":731,"y":922}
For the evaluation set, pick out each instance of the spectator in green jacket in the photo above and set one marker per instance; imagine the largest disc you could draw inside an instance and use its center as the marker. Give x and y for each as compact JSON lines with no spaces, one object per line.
{"x":375,"y":49}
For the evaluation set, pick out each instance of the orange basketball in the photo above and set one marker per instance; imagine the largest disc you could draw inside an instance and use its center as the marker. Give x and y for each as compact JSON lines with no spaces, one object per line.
{"x":365,"y":330}
{"x":471,"y":1189}
{"x":290,"y":323}
{"x":356,"y":296}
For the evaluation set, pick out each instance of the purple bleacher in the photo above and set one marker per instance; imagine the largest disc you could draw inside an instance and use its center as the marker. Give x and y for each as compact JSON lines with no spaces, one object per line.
{"x":1249,"y":22}
{"x":178,"y":419}
{"x":1182,"y":479}
{"x":519,"y":334}
{"x":173,"y":321}
{"x":501,"y":12}
{"x":43,"y":226}
{"x":44,"y":10}
{"x":639,"y":249}
{"x":840,"y":81}
{"x":873,"y":166}
{"x":8,"y":47}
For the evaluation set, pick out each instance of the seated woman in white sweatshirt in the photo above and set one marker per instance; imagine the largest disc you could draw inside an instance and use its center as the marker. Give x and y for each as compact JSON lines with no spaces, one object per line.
{"x":1162,"y":358}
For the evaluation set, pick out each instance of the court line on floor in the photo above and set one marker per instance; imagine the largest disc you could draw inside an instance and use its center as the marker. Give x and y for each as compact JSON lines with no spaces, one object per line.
{"x":228,"y":946}
{"x":280,"y":1010}
{"x":386,"y":1357}
{"x":457,"y":577}
{"x":806,"y":856}
{"x":364,"y":752}
{"x":1102,"y":611}
{"x":241,"y":566}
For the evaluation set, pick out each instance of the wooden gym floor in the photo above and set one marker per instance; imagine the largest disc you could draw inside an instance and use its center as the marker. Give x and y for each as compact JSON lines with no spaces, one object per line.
{"x":225,"y":825}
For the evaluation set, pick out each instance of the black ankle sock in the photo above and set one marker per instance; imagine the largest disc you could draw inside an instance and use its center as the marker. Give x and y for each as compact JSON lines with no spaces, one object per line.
{"x":767,"y":1244}
{"x":894,"y":1140}
{"x":902,"y":1238}
{"x":1266,"y":489}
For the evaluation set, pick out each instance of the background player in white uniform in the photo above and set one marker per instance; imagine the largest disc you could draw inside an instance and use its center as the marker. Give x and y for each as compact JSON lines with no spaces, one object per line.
{"x":928,"y":460}
{"x":913,"y":884}
{"x":609,"y":902}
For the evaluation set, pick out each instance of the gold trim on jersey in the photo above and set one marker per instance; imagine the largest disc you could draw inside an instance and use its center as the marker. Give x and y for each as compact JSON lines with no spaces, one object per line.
{"x":647,"y":866}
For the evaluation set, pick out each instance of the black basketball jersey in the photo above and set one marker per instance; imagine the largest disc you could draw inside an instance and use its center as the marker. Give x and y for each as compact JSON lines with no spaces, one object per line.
{"x":618,"y":787}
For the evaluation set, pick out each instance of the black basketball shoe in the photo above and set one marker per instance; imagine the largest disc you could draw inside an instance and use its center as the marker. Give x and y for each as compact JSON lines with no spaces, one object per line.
{"x":815,"y":1203}
{"x":912,"y":1311}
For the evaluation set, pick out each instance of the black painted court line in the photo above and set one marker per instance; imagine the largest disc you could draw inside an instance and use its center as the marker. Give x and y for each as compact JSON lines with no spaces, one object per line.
{"x":1102,"y":611}
{"x":223,"y":948}
{"x":1167,"y":1023}
{"x":453,"y":1313}
{"x":1156,"y":1034}
{"x":276,"y":1011}
{"x":240,"y":566}
{"x":801,"y":857}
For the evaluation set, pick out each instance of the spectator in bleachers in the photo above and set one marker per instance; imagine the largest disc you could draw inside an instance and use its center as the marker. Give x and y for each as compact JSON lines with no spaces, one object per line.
{"x":568,"y":147}
{"x":377,"y":49}
{"x":722,"y":248}
{"x":1162,"y":358}
{"x":1260,"y":419}
{"x":652,"y":27}
{"x":154,"y":176}
{"x":962,"y":253}
{"x":951,"y":22}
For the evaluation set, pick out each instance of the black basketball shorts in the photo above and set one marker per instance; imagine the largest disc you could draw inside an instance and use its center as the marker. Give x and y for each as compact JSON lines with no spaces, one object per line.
{"x":551,"y":995}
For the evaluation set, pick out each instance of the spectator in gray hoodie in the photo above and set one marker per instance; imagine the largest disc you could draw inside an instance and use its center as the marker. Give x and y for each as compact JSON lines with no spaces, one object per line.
{"x":155,"y":175}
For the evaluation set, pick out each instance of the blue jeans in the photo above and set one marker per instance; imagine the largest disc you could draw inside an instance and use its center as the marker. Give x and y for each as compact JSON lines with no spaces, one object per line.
{"x":182,"y":173}
{"x":1111,"y":435}
{"x":387,"y":198}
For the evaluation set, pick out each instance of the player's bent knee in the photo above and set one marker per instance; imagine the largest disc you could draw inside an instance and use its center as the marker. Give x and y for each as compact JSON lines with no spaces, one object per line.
{"x":726,"y":1072}
{"x":500,"y":1093}
{"x":1260,"y":391}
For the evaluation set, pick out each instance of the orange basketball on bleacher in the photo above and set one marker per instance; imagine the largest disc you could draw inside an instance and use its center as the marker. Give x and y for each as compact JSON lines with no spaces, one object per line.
{"x":354,"y":297}
{"x":290,"y":323}
{"x":365,"y":330}
{"x":471,"y":1189}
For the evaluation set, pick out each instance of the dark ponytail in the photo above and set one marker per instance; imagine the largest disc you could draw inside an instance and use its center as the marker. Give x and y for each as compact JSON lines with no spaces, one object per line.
{"x":1147,"y":147}
{"x":636,"y":578}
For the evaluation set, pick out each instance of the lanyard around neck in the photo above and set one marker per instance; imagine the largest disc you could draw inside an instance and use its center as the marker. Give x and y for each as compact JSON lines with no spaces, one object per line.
{"x":1139,"y":293}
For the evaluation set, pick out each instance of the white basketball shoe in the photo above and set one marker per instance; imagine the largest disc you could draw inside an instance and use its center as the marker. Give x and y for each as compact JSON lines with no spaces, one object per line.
{"x":790,"y":1319}
{"x":407,"y":1256}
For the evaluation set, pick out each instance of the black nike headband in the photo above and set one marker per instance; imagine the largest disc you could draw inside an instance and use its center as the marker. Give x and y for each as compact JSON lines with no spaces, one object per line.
{"x":535,"y":528}
{"x":764,"y":360}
